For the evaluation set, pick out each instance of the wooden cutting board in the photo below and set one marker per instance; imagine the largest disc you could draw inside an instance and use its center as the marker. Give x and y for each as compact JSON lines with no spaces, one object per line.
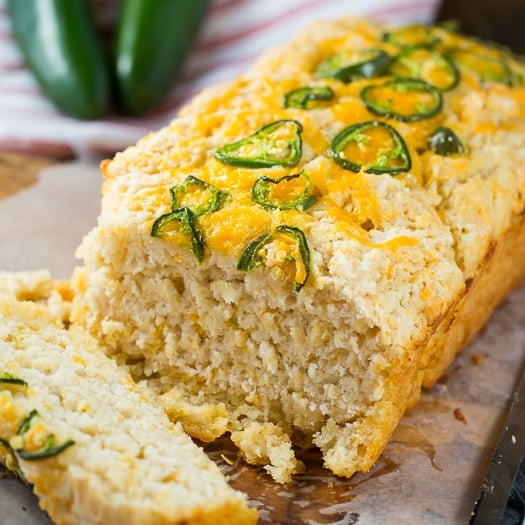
{"x":19,"y":171}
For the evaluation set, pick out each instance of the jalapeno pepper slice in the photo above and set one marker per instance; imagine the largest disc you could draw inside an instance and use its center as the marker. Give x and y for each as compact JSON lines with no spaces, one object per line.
{"x":207,"y":198}
{"x":11,"y":461}
{"x":300,"y":255}
{"x":374,"y":147}
{"x":189,"y":200}
{"x":180,"y":220}
{"x":10,"y":379}
{"x":250,"y":258}
{"x":487,"y":68}
{"x":444,"y":141}
{"x":276,"y":144}
{"x":307,"y":97}
{"x":428,"y":65}
{"x":349,"y":65}
{"x":414,"y":35}
{"x":286,"y":193}
{"x":48,"y":449}
{"x":404,"y":99}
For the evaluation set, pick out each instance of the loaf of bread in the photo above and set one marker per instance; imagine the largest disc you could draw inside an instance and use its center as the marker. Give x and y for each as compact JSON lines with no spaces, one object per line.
{"x":93,"y":446}
{"x":303,"y":249}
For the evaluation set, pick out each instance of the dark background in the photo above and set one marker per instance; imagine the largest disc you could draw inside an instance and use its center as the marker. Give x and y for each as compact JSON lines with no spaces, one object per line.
{"x":502,"y":21}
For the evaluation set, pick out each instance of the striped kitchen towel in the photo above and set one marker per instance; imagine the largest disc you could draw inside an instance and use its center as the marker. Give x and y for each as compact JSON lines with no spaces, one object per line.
{"x":233,"y":34}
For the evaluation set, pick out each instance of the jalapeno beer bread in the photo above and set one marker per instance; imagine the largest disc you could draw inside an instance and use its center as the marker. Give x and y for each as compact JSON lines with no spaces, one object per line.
{"x":93,"y":445}
{"x":302,"y":249}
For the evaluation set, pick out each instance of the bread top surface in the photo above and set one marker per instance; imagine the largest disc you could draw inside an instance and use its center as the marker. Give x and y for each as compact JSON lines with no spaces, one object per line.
{"x":396,"y":212}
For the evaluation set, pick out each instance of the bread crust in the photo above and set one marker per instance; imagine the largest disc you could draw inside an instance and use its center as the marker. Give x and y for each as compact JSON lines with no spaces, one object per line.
{"x":404,"y":267}
{"x":497,"y":276}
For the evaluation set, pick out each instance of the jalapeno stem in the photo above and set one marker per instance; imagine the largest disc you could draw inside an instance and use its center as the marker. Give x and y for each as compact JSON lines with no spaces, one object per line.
{"x":444,"y":141}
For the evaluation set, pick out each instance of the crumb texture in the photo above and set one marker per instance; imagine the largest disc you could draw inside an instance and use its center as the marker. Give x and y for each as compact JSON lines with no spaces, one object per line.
{"x":126,"y":462}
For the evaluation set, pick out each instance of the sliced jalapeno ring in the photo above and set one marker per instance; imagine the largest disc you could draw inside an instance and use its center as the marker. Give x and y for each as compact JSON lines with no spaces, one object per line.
{"x":187,"y":225}
{"x":487,"y":68}
{"x":212,"y":203}
{"x":10,"y":379}
{"x":307,"y":97}
{"x":276,"y":144}
{"x":348,"y":65}
{"x":374,"y":147}
{"x":48,"y":449}
{"x":428,"y":65}
{"x":249,"y":258}
{"x":164,"y":223}
{"x":302,"y":258}
{"x":266,"y":192}
{"x":414,"y":35}
{"x":404,"y":99}
{"x":444,"y":141}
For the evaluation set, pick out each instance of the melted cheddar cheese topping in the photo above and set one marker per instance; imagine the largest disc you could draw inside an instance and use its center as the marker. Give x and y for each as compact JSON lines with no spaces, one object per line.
{"x":345,"y":197}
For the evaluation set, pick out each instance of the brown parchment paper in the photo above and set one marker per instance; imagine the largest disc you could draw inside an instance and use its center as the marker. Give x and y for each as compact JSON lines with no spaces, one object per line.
{"x":431,"y":471}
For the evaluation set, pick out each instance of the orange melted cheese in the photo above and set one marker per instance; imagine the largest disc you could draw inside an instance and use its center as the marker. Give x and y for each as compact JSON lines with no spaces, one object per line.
{"x":244,"y":106}
{"x":229,"y":230}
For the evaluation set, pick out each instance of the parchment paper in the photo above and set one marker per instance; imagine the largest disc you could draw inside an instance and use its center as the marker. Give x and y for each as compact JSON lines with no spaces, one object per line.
{"x":431,"y":471}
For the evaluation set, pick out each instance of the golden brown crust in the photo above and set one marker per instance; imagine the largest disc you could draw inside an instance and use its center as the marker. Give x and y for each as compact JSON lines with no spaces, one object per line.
{"x":499,"y":274}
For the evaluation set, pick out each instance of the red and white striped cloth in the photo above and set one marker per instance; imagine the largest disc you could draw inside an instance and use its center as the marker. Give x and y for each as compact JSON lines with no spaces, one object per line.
{"x":234,"y":33}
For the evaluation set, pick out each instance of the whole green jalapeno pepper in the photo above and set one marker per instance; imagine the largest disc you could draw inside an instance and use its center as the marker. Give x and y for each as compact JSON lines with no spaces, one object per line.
{"x":60,"y":45}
